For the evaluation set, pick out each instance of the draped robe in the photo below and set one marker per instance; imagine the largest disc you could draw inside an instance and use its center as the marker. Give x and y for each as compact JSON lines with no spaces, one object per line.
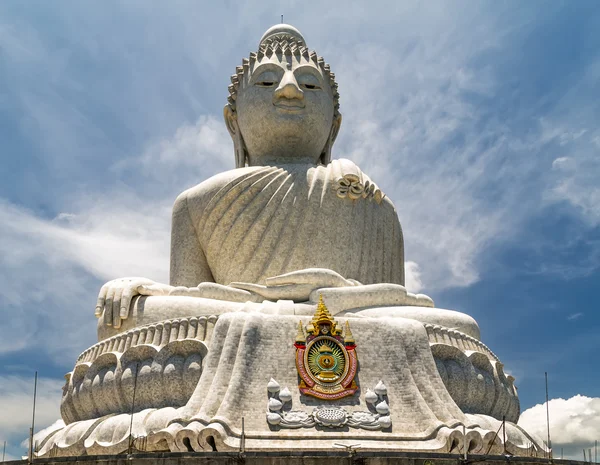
{"x":260,"y":222}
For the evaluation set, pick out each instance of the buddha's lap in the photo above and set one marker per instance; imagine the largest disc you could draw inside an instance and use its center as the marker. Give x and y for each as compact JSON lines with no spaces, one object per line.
{"x":154,"y":309}
{"x":168,"y":354}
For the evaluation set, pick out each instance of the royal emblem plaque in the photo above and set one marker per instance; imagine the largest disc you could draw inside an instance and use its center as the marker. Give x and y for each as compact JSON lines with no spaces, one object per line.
{"x":325,"y":358}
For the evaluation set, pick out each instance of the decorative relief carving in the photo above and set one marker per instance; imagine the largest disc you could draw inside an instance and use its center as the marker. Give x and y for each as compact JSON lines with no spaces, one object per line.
{"x":476,"y":383}
{"x":164,"y":376}
{"x":326,"y":360}
{"x":455,"y":338}
{"x":473,"y":374}
{"x":155,"y":334}
{"x":280,"y":414}
{"x":350,"y":186}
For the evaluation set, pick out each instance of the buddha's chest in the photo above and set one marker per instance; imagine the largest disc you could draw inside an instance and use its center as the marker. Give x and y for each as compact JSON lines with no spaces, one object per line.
{"x":273,"y":221}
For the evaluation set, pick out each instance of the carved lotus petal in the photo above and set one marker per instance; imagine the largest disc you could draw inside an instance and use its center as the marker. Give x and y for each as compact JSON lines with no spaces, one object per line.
{"x":385,"y":421}
{"x":331,"y":416}
{"x":273,"y":418}
{"x":356,"y":191}
{"x":350,"y":186}
{"x":273,"y":386}
{"x":366,"y":189}
{"x":342,"y":192}
{"x":296,"y":416}
{"x":381,"y":389}
{"x":274,"y":404}
{"x":383,"y":408}
{"x":343,"y":182}
{"x":285,"y":395}
{"x":363,"y":417}
{"x":371,"y":397}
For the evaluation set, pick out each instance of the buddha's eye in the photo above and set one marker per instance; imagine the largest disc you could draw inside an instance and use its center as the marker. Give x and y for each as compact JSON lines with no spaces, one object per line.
{"x":267,"y":78}
{"x":310,"y":86}
{"x":308,"y":81}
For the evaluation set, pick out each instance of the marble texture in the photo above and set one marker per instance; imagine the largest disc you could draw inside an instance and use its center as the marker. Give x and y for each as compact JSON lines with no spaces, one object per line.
{"x":267,"y":221}
{"x":235,"y":383}
{"x":389,"y":300}
{"x":472,"y":373}
{"x":178,"y":365}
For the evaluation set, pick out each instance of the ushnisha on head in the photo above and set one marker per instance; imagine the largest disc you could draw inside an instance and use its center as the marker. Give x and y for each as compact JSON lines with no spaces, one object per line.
{"x":283,"y":103}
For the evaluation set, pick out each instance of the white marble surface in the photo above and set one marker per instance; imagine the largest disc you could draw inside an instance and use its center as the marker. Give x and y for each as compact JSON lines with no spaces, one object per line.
{"x":252,"y":250}
{"x":237,"y":367}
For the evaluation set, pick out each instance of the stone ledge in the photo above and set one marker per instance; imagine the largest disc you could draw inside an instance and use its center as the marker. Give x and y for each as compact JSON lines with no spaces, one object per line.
{"x":334,"y":457}
{"x":157,"y":334}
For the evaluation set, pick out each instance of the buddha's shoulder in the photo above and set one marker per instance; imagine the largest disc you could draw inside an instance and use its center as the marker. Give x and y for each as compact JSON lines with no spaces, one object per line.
{"x":342,"y":167}
{"x":340,"y":171}
{"x":349,"y":175}
{"x":197,"y":197}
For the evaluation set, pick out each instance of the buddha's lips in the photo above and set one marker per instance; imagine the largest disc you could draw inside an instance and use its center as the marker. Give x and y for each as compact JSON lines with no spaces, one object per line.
{"x":286,"y":105}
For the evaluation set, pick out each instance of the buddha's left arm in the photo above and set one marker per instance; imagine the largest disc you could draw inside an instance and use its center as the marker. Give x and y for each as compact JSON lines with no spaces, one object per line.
{"x":188,"y":263}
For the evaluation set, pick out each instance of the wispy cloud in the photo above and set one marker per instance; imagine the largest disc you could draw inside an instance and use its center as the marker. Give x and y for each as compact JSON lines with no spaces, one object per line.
{"x":576,"y":182}
{"x":422,"y":115}
{"x":16,"y":405}
{"x":51,"y":270}
{"x":463,"y":113}
{"x":424,"y":101}
{"x":575,"y":316}
{"x":461,"y":176}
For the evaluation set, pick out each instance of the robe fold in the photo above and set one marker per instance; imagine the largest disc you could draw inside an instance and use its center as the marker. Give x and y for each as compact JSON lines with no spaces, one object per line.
{"x":273,"y":220}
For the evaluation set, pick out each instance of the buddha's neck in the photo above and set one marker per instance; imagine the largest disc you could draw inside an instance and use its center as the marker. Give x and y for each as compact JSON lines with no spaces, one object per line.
{"x":275,"y":160}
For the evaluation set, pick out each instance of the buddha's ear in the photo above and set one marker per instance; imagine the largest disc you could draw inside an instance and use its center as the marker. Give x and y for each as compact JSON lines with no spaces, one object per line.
{"x":231,"y":121}
{"x":238,"y":142}
{"x":335,"y":129}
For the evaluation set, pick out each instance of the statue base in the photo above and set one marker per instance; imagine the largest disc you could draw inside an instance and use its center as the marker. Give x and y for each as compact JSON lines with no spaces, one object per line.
{"x":231,"y":381}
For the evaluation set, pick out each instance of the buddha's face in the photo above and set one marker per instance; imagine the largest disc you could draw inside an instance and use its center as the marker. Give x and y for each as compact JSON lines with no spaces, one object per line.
{"x":285,"y":111}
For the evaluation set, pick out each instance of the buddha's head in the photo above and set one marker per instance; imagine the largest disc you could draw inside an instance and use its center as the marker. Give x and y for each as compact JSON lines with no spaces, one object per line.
{"x":283,"y":103}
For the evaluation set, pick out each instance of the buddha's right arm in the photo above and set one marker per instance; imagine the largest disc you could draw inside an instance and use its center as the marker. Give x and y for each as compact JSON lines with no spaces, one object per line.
{"x":190,"y":274}
{"x":188,"y":268}
{"x":188,"y":263}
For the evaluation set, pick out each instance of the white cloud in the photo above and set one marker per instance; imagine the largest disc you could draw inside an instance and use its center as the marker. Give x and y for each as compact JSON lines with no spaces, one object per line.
{"x":575,"y":316}
{"x":563,"y":163}
{"x":461,"y":177}
{"x":16,"y":405}
{"x":413,"y":276}
{"x":574,"y":424}
{"x":398,"y":125}
{"x":416,"y":85}
{"x":50,"y":272}
{"x":423,"y":115}
{"x":55,"y":266}
{"x":8,"y":457}
{"x":576,"y":182}
{"x":169,"y":166}
{"x":42,"y":434}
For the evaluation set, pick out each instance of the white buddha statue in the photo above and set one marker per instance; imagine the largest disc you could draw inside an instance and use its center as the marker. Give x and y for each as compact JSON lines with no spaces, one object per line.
{"x":288,"y":220}
{"x":286,"y":208}
{"x":255,"y":252}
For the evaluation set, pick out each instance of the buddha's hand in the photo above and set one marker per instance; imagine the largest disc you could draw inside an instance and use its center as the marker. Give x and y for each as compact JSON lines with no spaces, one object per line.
{"x":297,"y":285}
{"x":205,"y":290}
{"x":114,"y":298}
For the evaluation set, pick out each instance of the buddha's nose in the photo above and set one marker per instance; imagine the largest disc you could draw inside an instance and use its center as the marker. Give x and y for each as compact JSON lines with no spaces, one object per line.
{"x":288,"y":87}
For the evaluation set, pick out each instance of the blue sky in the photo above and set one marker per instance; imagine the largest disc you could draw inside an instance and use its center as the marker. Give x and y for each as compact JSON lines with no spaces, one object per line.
{"x":479,"y":120}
